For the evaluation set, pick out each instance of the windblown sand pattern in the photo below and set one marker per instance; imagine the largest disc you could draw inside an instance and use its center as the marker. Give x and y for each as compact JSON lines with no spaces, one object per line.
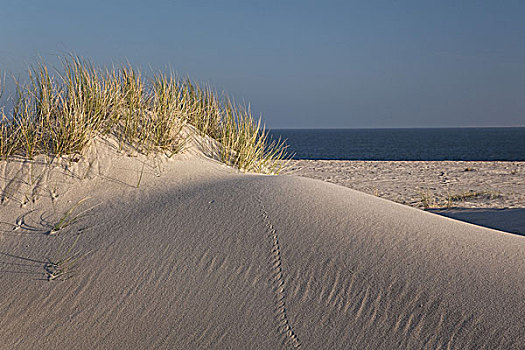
{"x":196,"y":255}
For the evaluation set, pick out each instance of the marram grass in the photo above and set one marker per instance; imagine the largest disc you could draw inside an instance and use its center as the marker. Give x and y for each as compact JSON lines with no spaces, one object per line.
{"x":59,"y":112}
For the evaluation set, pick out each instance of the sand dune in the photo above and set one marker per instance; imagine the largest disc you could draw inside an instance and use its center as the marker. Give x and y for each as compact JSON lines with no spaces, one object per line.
{"x":497,"y":184}
{"x":189,"y":254}
{"x":490,"y":194}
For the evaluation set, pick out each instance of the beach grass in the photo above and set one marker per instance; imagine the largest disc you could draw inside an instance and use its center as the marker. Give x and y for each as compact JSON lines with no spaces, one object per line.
{"x":430,"y":200}
{"x":58,"y":112}
{"x":470,"y":195}
{"x":427,"y":199}
{"x":67,"y":218}
{"x":62,"y":265}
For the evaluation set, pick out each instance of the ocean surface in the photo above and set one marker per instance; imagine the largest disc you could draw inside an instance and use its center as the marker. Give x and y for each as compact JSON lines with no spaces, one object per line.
{"x":505,"y":144}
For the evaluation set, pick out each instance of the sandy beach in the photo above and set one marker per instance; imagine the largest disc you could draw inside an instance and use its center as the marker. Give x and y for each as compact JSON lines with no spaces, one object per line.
{"x":127,"y":251}
{"x":490,"y":194}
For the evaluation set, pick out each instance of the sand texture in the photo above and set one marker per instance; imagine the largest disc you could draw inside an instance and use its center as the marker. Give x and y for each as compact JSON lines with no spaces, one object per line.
{"x":491,"y":194}
{"x":447,"y":183}
{"x":186,"y":253}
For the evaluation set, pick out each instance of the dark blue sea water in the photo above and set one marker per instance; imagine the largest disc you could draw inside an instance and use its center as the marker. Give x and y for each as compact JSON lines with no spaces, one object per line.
{"x":406,"y":144}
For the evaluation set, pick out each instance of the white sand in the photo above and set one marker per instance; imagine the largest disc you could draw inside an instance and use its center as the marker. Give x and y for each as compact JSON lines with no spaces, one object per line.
{"x":199,"y":256}
{"x":491,"y":194}
{"x":499,"y":184}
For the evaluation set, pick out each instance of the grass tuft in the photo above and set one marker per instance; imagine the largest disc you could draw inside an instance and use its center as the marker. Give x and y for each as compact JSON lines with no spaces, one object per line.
{"x":59,"y":112}
{"x":470,"y":195}
{"x":427,"y":199}
{"x":61,"y":267}
{"x":69,"y":218}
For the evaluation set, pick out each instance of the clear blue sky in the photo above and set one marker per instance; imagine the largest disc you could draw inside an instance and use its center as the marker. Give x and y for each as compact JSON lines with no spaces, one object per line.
{"x":303,"y":63}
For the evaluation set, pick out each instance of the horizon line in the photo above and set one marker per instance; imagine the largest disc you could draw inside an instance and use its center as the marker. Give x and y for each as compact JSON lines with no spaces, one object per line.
{"x":402,"y":127}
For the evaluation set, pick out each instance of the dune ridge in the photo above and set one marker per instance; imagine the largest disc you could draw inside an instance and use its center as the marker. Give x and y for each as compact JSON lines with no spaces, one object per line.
{"x":197,"y":255}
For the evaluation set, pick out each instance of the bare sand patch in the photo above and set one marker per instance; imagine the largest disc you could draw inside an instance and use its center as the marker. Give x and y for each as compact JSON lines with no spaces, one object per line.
{"x":446,"y":183}
{"x":197,"y":255}
{"x":487,"y":189}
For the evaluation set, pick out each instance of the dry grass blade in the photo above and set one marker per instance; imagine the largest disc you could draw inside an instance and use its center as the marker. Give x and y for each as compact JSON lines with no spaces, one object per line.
{"x":68,"y":218}
{"x":61,"y":267}
{"x":140,"y":175}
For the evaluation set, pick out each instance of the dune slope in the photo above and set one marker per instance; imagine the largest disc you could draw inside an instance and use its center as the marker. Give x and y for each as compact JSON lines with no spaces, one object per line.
{"x":198,"y":256}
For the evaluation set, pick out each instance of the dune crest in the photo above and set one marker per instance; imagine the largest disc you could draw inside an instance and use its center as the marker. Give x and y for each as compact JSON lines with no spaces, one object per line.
{"x":187,"y":253}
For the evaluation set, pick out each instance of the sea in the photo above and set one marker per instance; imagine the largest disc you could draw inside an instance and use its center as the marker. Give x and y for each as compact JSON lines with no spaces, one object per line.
{"x":474,"y":144}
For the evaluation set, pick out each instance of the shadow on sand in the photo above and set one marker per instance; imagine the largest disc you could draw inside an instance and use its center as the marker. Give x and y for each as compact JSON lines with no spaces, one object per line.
{"x":508,"y":220}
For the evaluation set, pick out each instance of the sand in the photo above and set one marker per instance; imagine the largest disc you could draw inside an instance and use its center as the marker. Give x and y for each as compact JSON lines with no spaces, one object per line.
{"x":499,"y":184}
{"x":491,"y":194}
{"x":186,"y":253}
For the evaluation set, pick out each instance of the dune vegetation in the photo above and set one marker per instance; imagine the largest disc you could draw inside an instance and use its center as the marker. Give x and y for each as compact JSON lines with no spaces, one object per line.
{"x":59,"y":111}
